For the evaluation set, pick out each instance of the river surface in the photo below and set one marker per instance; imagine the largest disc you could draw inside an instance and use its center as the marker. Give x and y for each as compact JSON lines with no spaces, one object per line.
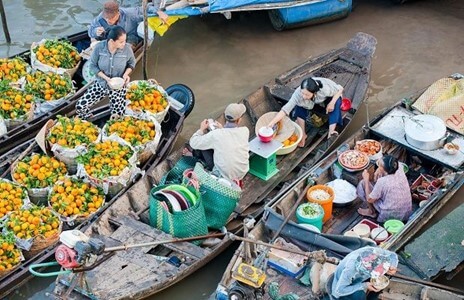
{"x":225,"y":60}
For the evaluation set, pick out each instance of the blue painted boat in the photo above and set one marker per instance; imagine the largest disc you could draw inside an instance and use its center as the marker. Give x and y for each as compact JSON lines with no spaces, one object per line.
{"x":309,"y":14}
{"x":284,"y":14}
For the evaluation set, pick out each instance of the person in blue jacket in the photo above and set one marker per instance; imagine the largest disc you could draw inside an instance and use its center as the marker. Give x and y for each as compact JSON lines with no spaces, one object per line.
{"x":351,"y":278}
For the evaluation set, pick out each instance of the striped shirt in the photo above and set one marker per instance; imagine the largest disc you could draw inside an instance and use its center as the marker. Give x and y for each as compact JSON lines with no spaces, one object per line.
{"x":393,"y":196}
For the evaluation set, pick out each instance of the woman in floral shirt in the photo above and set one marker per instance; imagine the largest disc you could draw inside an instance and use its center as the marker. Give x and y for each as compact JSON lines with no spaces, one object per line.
{"x":350,"y":277}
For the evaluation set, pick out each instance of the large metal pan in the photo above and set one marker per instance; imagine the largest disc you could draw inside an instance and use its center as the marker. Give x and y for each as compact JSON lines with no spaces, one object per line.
{"x":425,"y":132}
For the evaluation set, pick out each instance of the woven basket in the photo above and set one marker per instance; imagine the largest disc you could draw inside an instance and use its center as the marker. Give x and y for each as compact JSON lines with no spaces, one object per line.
{"x":219,"y":200}
{"x":3,"y":273}
{"x":40,"y":243}
{"x":175,"y":175}
{"x":37,"y":65}
{"x":37,"y":196}
{"x":181,"y":224}
{"x":13,"y":123}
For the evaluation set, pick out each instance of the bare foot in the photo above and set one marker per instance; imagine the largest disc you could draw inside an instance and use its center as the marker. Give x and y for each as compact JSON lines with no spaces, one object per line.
{"x":303,"y":141}
{"x":186,"y":152}
{"x":366,"y":212}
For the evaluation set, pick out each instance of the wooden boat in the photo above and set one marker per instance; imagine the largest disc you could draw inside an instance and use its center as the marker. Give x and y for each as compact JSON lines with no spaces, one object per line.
{"x":24,"y":132}
{"x":171,"y":128}
{"x":383,"y":129}
{"x":140,"y":272}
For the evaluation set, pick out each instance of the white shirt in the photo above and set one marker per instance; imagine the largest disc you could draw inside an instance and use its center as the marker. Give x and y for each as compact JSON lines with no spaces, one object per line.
{"x":230,"y":147}
{"x":329,"y":89}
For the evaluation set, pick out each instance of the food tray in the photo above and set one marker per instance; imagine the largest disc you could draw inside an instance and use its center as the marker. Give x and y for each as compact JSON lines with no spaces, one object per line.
{"x":373,"y":225}
{"x":364,"y":156}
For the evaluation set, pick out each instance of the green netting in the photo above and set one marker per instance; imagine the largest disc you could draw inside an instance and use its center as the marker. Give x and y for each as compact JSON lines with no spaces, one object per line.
{"x":219,"y":200}
{"x":181,"y":224}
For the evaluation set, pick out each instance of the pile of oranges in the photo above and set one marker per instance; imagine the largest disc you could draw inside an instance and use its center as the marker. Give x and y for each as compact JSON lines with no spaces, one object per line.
{"x":145,"y":97}
{"x":71,"y":133}
{"x":39,"y":171}
{"x":12,"y":69}
{"x":291,"y":140}
{"x":73,"y":197}
{"x":14,"y":103}
{"x":57,"y":54}
{"x":10,"y":256}
{"x":31,"y":222}
{"x":11,"y":197}
{"x":108,"y":158}
{"x":48,"y":86}
{"x":134,"y":131}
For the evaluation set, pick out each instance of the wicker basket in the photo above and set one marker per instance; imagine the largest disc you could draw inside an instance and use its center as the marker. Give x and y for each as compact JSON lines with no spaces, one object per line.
{"x":3,"y":273}
{"x":38,"y":196}
{"x":13,"y":123}
{"x":40,"y":243}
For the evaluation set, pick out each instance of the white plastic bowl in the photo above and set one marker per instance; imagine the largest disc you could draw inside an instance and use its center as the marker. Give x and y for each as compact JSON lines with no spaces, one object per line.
{"x":116,"y":83}
{"x":289,"y":149}
{"x":379,"y":234}
{"x":362,"y":230}
{"x":351,"y":233}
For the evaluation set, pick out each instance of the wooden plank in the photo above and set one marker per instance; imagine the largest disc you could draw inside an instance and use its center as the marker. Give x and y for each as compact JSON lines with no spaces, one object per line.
{"x":184,"y":247}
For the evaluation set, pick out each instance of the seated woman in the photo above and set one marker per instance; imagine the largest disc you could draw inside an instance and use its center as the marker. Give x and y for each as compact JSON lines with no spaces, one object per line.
{"x":389,"y":197}
{"x":314,"y":90}
{"x":350,"y":277}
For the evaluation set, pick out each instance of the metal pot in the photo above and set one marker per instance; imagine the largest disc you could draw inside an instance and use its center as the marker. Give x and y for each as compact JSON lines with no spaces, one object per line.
{"x":425,"y":132}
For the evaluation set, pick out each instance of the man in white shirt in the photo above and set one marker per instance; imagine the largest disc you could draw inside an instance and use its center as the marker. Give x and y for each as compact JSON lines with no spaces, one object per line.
{"x":229,"y":143}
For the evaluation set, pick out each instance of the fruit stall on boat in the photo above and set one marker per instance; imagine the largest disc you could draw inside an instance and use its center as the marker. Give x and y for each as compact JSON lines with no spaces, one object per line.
{"x":319,"y":212}
{"x":73,"y":170}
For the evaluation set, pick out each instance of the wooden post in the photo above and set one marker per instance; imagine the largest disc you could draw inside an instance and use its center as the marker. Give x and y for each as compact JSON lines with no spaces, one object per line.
{"x":4,"y":25}
{"x":145,"y":39}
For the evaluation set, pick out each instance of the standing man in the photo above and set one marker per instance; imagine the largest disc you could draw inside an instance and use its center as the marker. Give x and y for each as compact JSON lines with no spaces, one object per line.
{"x":126,"y":17}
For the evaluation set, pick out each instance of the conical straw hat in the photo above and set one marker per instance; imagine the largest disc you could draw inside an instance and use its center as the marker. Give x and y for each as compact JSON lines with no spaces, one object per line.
{"x":285,"y":126}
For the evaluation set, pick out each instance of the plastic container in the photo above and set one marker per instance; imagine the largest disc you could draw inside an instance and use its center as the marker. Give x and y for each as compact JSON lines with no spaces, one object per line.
{"x":363,"y":230}
{"x":393,"y":226}
{"x":326,"y":204}
{"x":289,"y":149}
{"x":379,"y":234}
{"x":266,"y":134}
{"x":316,"y":221}
{"x":116,"y":83}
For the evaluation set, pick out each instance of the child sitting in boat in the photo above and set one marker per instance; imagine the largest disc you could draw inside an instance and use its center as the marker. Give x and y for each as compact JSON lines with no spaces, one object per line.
{"x":314,"y":90}
{"x":349,"y":279}
{"x":389,"y":196}
{"x":224,"y":149}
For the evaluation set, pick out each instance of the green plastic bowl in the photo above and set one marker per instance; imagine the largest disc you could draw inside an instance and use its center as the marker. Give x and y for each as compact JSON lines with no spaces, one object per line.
{"x":393,"y":226}
{"x":183,"y":190}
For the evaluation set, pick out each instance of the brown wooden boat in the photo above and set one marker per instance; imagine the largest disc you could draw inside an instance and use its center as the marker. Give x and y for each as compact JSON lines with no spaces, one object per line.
{"x":279,"y":219}
{"x":171,"y":128}
{"x":140,"y":272}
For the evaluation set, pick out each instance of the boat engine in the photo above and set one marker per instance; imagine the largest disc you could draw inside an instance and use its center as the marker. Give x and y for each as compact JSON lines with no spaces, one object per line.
{"x":77,"y":249}
{"x":248,"y":284}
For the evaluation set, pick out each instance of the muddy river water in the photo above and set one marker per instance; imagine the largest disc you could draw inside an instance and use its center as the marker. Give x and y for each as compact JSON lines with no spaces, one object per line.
{"x":224,"y":60}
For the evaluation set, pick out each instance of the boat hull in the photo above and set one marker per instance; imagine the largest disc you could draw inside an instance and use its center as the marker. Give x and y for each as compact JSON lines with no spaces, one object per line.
{"x":309,"y":14}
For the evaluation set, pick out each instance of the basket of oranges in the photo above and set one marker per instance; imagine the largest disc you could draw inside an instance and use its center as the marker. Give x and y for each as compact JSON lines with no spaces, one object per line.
{"x":141,"y":133}
{"x":38,"y":172}
{"x":49,"y":89}
{"x":147,"y":97}
{"x":57,"y":56}
{"x":16,"y":106}
{"x":13,"y":69}
{"x":290,"y":144}
{"x":35,"y":228}
{"x":10,"y":254}
{"x":12,"y":197}
{"x":110,"y":165}
{"x":69,"y":138}
{"x":75,"y":200}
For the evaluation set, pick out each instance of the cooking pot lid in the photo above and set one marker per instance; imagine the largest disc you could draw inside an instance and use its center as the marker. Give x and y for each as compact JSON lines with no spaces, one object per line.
{"x":425,"y":128}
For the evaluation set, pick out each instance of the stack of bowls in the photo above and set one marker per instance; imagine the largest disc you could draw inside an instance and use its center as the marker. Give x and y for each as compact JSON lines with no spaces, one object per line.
{"x":175,"y":198}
